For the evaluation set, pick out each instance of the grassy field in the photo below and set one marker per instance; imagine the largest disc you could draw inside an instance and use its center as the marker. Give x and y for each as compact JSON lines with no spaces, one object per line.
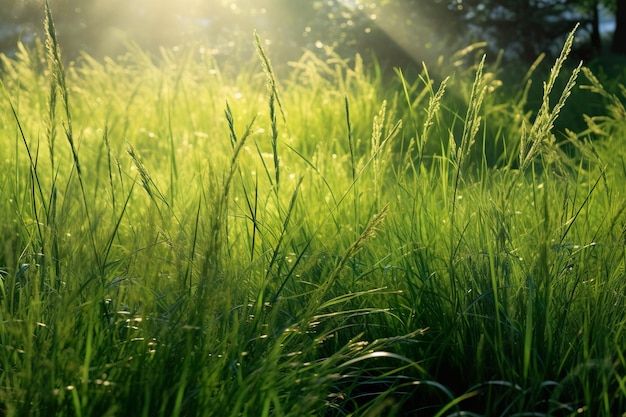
{"x":181,"y":240}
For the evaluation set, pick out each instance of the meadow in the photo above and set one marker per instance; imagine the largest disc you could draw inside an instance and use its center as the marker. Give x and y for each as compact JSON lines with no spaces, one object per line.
{"x":182,"y":240}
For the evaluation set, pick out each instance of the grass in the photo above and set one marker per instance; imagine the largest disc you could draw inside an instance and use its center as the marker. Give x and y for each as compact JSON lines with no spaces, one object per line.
{"x":178,"y":241}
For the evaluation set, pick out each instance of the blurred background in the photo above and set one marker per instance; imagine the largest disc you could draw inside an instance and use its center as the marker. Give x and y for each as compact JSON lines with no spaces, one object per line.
{"x":397,"y":32}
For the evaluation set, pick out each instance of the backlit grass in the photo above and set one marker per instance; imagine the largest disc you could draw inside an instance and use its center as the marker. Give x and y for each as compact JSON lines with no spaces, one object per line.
{"x":181,"y":241}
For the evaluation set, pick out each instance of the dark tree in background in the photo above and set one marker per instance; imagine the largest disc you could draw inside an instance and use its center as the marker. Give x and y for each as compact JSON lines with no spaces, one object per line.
{"x":525,"y":28}
{"x":590,"y":11}
{"x":522,"y":28}
{"x":595,"y":38}
{"x":619,"y":36}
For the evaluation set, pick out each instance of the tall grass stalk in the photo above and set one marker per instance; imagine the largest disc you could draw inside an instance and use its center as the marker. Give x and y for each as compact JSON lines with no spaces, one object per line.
{"x":540,"y":133}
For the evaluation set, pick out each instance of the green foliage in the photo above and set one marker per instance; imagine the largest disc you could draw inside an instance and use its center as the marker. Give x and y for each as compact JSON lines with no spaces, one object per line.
{"x":333,"y":243}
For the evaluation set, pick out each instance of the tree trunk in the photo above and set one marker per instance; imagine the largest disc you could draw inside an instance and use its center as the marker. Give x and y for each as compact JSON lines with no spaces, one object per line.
{"x":596,"y":39}
{"x":619,"y":37}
